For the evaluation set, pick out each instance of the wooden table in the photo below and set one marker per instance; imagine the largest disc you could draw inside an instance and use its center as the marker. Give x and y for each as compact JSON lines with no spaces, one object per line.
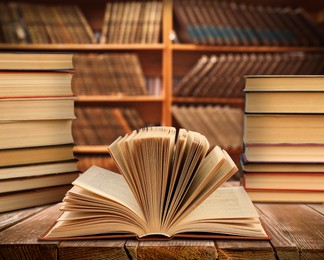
{"x":297,"y":232}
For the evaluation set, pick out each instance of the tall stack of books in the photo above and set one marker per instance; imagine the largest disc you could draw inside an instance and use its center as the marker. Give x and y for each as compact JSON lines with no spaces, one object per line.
{"x":37,"y":164}
{"x":283,"y":159}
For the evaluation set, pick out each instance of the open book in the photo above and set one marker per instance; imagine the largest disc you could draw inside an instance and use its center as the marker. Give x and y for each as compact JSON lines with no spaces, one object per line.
{"x":167,"y":187}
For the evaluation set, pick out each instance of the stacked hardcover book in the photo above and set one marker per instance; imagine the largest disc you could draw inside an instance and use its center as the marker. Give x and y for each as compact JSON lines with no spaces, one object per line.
{"x":37,"y":164}
{"x":283,"y":159}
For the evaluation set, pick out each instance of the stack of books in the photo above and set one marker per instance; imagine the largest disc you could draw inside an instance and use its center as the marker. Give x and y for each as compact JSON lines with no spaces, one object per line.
{"x":283,"y":159}
{"x":37,"y":164}
{"x":229,"y":23}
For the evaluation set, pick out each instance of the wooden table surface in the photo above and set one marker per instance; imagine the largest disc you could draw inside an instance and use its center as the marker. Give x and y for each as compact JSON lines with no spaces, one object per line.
{"x":297,"y":232}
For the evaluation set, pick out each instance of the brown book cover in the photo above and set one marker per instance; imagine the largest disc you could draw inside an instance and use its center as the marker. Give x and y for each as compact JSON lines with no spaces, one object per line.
{"x":239,"y":37}
{"x":201,"y":63}
{"x":194,"y":25}
{"x":224,"y":24}
{"x":106,"y":22}
{"x":136,"y":25}
{"x":189,"y":87}
{"x":182,"y":24}
{"x":293,"y":32}
{"x":245,"y":27}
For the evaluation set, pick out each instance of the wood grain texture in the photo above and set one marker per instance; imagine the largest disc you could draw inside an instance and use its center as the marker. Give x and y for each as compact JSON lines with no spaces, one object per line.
{"x":284,"y":247}
{"x":21,"y":240}
{"x":317,"y":207}
{"x":93,"y":249}
{"x":11,"y":218}
{"x":131,"y":248}
{"x":176,"y":249}
{"x":298,"y":224}
{"x":236,"y":249}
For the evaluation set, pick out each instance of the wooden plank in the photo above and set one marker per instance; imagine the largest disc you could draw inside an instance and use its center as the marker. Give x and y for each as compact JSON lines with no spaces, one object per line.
{"x":195,"y":47}
{"x":243,"y":249}
{"x":177,"y":249}
{"x":298,"y":224}
{"x":318,"y":207}
{"x":131,"y":248}
{"x":21,"y":240}
{"x":93,"y":249}
{"x":284,"y":247}
{"x":11,"y":218}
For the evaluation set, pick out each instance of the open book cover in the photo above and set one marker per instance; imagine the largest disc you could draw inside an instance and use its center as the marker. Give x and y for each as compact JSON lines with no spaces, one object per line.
{"x":168,"y":187}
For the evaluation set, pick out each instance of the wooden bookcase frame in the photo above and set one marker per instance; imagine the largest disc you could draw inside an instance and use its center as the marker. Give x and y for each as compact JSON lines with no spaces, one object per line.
{"x":167,"y":50}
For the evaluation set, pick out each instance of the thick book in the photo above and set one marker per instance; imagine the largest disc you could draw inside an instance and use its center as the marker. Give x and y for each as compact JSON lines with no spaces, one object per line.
{"x":35,"y":61}
{"x":32,"y":198}
{"x":33,"y":170}
{"x":35,"y":83}
{"x":282,"y":166}
{"x":284,"y":152}
{"x":28,"y":183}
{"x":37,"y":108}
{"x":286,"y":196}
{"x":35,"y":155}
{"x":168,"y":187}
{"x":284,"y":101}
{"x":284,"y":83}
{"x":19,"y":134}
{"x":283,"y":181}
{"x":283,"y":128}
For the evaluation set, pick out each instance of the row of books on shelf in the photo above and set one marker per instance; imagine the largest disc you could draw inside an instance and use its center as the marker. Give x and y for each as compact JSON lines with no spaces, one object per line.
{"x":124,"y":22}
{"x":283,"y":139}
{"x":97,"y":125}
{"x":223,"y":75}
{"x":37,"y":164}
{"x":39,"y":23}
{"x":229,"y":23}
{"x":112,"y":74}
{"x":197,"y":21}
{"x":222,"y":125}
{"x":132,"y":22}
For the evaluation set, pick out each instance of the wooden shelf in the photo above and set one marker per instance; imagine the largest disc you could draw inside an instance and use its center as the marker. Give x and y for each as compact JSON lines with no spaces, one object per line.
{"x":212,"y":100}
{"x":81,"y":47}
{"x":194,"y":47}
{"x":118,"y":99}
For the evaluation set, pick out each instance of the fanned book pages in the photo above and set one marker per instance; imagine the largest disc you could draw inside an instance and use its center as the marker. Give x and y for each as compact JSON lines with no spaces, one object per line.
{"x":168,"y":187}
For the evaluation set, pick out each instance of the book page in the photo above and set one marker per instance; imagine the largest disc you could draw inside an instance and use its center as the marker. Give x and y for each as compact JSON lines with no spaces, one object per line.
{"x":109,"y":185}
{"x":224,"y":203}
{"x":227,"y":169}
{"x":228,"y":210}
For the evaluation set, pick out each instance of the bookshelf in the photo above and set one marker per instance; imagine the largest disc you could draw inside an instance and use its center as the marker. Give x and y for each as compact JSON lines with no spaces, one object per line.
{"x":165,"y":60}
